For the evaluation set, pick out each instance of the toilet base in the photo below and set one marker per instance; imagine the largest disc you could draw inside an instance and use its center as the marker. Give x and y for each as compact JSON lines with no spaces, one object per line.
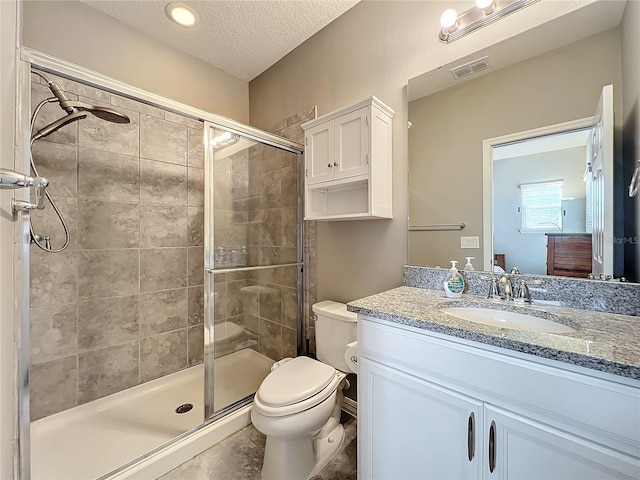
{"x":327,"y":447}
{"x":302,"y":458}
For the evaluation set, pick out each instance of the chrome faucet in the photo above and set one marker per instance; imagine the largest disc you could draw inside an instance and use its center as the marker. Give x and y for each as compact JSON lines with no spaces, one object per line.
{"x":494,"y":292}
{"x":12,"y":180}
{"x":524,"y":295}
{"x":508,"y":288}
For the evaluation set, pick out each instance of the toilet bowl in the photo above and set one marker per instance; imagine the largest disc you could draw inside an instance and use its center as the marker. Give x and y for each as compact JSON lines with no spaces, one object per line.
{"x":298,"y":405}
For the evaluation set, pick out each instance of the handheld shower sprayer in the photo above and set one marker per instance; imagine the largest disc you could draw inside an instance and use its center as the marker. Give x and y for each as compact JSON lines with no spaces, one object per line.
{"x":76,"y":110}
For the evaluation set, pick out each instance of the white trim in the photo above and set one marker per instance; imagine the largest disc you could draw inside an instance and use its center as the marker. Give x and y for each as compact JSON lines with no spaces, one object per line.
{"x":64,"y":68}
{"x":487,"y":174}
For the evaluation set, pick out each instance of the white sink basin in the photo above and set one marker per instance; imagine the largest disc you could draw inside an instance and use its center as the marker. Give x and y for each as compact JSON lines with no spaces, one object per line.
{"x":504,"y":319}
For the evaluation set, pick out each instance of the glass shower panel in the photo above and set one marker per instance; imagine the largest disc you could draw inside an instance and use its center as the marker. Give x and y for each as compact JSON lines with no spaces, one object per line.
{"x":255,"y":255}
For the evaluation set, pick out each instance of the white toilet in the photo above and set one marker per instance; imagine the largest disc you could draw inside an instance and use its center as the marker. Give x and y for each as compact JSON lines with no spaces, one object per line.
{"x":298,"y":405}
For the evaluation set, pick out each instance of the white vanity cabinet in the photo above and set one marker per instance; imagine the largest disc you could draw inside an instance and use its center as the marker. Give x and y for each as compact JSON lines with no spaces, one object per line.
{"x":348,"y":163}
{"x":433,"y":408}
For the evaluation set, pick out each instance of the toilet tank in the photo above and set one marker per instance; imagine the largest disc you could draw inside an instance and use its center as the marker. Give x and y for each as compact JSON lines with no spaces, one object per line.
{"x":335,"y":328}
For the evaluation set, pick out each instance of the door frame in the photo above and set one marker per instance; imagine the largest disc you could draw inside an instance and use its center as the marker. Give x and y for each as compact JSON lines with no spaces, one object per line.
{"x":487,"y":174}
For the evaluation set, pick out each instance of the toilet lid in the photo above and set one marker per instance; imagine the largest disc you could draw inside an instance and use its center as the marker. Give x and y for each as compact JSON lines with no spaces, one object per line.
{"x":295,"y":381}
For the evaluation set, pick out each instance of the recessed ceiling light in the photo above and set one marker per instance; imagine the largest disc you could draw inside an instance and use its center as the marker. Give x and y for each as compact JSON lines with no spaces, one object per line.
{"x":181,"y":14}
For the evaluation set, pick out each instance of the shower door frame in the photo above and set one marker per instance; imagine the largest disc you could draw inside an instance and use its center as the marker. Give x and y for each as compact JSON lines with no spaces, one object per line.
{"x":29,"y":59}
{"x":209,"y":250}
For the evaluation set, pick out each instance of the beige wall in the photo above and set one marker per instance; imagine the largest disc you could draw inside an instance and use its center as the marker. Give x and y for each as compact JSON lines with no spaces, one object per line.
{"x":374,"y":48}
{"x":81,"y":35}
{"x":445,"y":141}
{"x":7,"y":129}
{"x":631,"y":98}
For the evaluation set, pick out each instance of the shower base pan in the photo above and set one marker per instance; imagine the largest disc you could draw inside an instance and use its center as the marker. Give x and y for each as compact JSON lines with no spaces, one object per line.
{"x":93,"y":439}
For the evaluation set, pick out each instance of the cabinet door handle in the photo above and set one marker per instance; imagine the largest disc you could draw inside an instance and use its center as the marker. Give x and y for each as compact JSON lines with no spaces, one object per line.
{"x":492,"y":447}
{"x":471,"y":436}
{"x":335,"y":164}
{"x":329,"y":165}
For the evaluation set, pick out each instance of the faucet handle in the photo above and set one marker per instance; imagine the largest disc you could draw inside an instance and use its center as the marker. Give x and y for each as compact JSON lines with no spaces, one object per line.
{"x":524,"y":295}
{"x":494,"y":292}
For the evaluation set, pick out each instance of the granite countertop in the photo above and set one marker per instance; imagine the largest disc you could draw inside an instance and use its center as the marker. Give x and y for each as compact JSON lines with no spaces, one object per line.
{"x":605,"y":342}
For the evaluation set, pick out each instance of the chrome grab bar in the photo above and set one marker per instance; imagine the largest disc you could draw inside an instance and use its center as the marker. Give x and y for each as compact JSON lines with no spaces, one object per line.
{"x":437,"y":227}
{"x":10,"y":179}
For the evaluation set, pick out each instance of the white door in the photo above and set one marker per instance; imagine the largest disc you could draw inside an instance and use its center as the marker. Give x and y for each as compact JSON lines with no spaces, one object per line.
{"x":412,"y":429}
{"x":352,"y":144}
{"x":602,"y":185}
{"x":521,"y":449}
{"x":318,"y":153}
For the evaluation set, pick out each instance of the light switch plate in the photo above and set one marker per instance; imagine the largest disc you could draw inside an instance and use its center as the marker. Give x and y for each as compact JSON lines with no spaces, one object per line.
{"x":469,"y":242}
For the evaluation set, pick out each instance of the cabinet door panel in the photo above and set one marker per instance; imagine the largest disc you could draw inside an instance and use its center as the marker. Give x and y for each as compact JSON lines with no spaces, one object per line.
{"x":412,"y":429}
{"x":352,"y":144}
{"x":319,"y":153}
{"x":528,"y":450}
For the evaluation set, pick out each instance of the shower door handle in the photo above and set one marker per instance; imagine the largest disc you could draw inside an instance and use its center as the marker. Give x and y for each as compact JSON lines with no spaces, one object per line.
{"x":10,"y":179}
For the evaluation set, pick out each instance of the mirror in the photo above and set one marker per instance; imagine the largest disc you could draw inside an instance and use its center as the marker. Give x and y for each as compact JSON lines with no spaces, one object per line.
{"x":470,"y":168}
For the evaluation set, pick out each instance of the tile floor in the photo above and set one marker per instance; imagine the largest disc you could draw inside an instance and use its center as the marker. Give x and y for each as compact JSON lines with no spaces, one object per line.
{"x":239,"y":457}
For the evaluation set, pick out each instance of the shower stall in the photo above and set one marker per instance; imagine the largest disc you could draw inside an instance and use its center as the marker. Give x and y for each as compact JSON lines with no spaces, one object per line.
{"x":174,"y":283}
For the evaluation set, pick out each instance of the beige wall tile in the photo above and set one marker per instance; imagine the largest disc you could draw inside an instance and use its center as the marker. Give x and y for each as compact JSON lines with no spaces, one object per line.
{"x":108,"y":176}
{"x":162,"y":140}
{"x":59,"y":164}
{"x":121,"y":138}
{"x":107,"y":273}
{"x":53,"y":331}
{"x":107,"y":370}
{"x":163,"y":269}
{"x":163,"y":354}
{"x":53,"y":386}
{"x":104,"y":225}
{"x":54,"y":278}
{"x":163,"y":311}
{"x":107,"y":321}
{"x":163,"y":226}
{"x":162,"y":183}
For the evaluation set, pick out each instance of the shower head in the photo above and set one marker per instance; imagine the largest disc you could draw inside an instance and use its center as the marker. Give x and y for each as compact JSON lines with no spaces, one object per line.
{"x":70,"y":106}
{"x":103,"y":113}
{"x":52,"y":127}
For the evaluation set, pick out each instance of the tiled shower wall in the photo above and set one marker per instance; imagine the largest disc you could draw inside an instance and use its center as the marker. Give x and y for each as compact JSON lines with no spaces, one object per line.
{"x":124,"y":303}
{"x":255,"y":205}
{"x":291,"y":129}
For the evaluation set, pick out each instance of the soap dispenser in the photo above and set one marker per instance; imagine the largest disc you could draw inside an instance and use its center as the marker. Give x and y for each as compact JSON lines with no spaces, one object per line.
{"x":468,"y":266}
{"x":454,"y":284}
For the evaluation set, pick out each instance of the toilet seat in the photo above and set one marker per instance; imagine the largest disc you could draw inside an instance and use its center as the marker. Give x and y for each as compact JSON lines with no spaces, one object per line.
{"x":295,"y":386}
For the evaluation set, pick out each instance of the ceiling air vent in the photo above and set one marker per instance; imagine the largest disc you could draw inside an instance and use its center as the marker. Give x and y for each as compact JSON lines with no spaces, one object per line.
{"x":470,"y":67}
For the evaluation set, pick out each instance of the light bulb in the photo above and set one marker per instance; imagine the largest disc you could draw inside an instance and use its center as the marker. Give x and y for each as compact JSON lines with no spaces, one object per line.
{"x":486,"y":6}
{"x":449,"y":18}
{"x":181,"y":14}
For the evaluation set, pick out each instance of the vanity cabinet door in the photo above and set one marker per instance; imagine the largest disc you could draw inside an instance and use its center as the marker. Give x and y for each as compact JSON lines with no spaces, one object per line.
{"x":352,"y":144}
{"x":521,"y":449}
{"x":319,"y":153}
{"x":409,"y":428}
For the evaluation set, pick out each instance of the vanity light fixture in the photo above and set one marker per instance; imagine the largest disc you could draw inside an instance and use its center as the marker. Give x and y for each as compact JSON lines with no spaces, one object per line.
{"x":457,"y":25}
{"x":181,"y":14}
{"x":225,"y":139}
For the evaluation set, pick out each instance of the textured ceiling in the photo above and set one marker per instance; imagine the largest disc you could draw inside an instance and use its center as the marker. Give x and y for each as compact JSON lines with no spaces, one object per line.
{"x":241,"y":37}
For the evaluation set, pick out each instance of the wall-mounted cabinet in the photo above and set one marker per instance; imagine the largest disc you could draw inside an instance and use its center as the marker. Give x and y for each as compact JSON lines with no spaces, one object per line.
{"x":348,"y":163}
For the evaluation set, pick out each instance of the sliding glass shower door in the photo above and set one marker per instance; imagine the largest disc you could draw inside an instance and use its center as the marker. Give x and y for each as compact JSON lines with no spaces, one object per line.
{"x":253,"y":261}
